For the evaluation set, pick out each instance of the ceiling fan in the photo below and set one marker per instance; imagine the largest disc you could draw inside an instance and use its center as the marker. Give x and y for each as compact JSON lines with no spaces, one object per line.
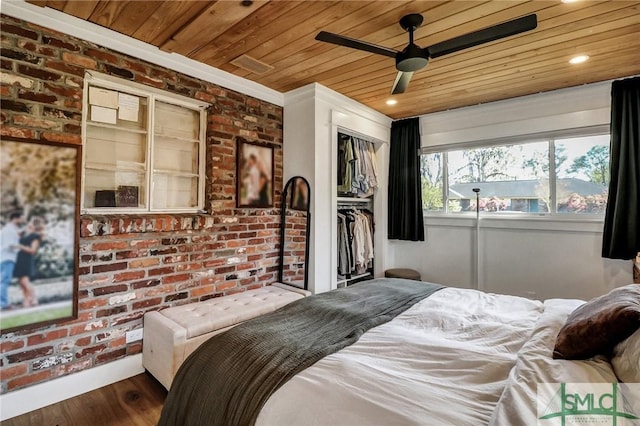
{"x":413,"y":58}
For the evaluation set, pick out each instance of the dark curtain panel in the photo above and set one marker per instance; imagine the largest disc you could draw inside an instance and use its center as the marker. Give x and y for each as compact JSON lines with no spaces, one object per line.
{"x":405,"y":189}
{"x":621,"y":237}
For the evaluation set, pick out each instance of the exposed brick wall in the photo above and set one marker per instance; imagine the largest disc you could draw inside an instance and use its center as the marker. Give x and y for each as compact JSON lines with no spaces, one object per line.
{"x":133,"y":264}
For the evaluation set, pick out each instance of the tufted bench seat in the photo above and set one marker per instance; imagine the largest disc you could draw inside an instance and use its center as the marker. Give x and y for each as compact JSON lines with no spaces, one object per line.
{"x":171,"y":334}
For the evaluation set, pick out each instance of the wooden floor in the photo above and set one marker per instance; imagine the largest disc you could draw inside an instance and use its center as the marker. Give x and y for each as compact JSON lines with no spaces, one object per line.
{"x":135,"y":401}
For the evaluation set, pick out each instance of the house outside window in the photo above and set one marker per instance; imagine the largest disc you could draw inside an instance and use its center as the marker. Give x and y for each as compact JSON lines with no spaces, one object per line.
{"x":561,"y":176}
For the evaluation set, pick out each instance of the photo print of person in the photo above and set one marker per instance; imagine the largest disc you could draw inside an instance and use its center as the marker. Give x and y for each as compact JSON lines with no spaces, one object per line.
{"x":255,"y":175}
{"x":39,"y":223}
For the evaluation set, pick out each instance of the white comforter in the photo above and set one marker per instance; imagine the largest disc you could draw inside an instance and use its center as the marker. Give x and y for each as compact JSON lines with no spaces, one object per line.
{"x":445,"y":361}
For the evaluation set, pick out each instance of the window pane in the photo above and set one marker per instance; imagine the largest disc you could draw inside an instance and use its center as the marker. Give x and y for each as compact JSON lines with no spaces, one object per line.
{"x":431,"y":172}
{"x":510,"y":178}
{"x":114,"y":188}
{"x":176,"y":159}
{"x":174,"y":192}
{"x":582,"y":181}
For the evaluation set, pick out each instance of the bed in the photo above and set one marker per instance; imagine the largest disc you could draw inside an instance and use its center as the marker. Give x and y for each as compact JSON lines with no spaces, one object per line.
{"x":447,"y":356}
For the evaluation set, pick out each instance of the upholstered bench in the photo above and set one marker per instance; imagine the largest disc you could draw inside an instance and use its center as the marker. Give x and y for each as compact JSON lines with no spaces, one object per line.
{"x":170,"y":335}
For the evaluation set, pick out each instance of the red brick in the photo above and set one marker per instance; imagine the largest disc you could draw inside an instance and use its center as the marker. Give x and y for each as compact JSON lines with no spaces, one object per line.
{"x":91,"y":350}
{"x":26,"y":120}
{"x":14,"y":371}
{"x":102,"y":56}
{"x":39,"y":73}
{"x":128,"y":276}
{"x":147,"y":303}
{"x":30,"y":379}
{"x":59,"y":43}
{"x":83,"y":341}
{"x":176,"y":296}
{"x":29,"y":354}
{"x":110,"y":312}
{"x":144,"y":263}
{"x":46,"y":337}
{"x":149,"y":81}
{"x":145,"y":284}
{"x":68,"y":92}
{"x":136,"y":66}
{"x":11,"y":345}
{"x":17,"y":133}
{"x":110,"y":245}
{"x":144,"y":243}
{"x":84,"y":328}
{"x":116,"y":343}
{"x":110,"y":289}
{"x":170,"y":279}
{"x":226,"y":286}
{"x":20,"y":31}
{"x":79,"y":60}
{"x":62,"y":137}
{"x":134,"y":348}
{"x":109,"y":267}
{"x":110,"y":356}
{"x":72,"y":367}
{"x":127,"y":318}
{"x":202,"y":290}
{"x":160,"y":271}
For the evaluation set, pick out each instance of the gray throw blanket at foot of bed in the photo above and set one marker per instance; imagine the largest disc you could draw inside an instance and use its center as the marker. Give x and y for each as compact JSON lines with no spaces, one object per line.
{"x":229,"y":378}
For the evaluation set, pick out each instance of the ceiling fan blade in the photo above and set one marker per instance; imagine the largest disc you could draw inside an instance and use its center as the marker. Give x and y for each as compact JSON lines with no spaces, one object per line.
{"x":485,"y":35}
{"x":401,"y":83}
{"x":355,"y":44}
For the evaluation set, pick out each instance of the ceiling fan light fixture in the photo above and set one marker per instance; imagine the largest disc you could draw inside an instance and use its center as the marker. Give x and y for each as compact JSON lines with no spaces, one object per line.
{"x":412,"y":59}
{"x":579,"y":59}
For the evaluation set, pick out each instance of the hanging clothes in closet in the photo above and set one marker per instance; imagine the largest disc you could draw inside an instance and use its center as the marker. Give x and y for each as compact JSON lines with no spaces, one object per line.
{"x":357,"y":169}
{"x":355,"y":241}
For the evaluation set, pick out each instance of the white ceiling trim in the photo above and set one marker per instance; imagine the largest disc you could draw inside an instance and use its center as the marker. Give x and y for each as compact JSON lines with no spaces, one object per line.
{"x":51,"y":18}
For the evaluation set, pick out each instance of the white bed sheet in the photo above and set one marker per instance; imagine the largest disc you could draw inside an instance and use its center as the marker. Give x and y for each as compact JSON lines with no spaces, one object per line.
{"x":445,"y":361}
{"x":535,"y":365}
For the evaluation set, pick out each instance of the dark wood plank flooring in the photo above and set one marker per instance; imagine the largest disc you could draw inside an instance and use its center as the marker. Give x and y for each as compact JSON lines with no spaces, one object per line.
{"x":134,"y":401}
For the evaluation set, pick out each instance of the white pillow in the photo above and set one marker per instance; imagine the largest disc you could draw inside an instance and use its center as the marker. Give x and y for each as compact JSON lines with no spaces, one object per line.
{"x":626,"y":359}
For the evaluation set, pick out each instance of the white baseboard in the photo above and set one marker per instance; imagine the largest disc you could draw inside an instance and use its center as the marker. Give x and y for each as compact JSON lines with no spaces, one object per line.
{"x":37,"y":396}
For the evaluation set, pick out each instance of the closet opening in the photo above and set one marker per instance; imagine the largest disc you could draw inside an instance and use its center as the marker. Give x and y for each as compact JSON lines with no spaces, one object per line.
{"x":357,"y":183}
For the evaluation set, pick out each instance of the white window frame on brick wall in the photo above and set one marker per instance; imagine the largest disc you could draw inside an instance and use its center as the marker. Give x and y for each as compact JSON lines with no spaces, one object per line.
{"x":152,"y":95}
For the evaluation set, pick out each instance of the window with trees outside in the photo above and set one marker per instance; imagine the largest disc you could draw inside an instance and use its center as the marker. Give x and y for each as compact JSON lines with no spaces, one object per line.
{"x":556,"y":176}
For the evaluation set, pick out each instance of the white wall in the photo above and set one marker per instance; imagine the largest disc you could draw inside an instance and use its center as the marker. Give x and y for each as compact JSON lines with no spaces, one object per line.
{"x":313,"y":114}
{"x":535,"y":257}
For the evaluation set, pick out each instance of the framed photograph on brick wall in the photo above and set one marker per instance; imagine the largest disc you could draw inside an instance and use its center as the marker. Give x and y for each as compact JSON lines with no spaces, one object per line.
{"x":254,"y":174}
{"x":39,"y":232}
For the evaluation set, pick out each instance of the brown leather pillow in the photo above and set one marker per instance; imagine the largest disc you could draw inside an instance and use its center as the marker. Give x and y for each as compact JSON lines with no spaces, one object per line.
{"x":597,"y":326}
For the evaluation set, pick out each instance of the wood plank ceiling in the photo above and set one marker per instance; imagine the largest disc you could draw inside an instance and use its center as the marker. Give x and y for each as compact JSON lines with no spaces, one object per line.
{"x":281,"y":34}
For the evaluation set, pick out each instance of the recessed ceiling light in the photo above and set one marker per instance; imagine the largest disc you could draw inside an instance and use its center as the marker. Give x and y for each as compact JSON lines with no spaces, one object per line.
{"x":391,"y":102}
{"x":568,"y":1}
{"x":578,"y":59}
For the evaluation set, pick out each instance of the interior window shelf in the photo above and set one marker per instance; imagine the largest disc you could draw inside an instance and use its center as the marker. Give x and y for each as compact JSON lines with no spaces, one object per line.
{"x":176,"y":138}
{"x":148,"y":153}
{"x":175,"y":173}
{"x":133,"y":167}
{"x":116,"y":127}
